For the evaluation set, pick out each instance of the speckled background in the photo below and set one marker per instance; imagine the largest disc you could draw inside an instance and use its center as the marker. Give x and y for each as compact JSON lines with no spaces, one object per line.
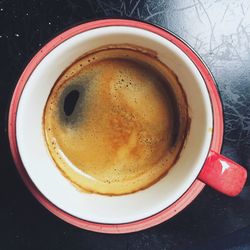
{"x":219,"y":30}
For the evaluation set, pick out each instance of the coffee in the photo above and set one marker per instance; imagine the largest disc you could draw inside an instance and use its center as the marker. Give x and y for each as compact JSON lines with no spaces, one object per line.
{"x":116,"y":120}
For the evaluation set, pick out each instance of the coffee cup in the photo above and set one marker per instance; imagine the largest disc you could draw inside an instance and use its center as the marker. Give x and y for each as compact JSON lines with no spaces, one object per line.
{"x":199,"y":162}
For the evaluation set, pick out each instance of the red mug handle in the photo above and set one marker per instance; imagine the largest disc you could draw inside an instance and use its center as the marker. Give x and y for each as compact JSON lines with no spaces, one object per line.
{"x":223,"y":174}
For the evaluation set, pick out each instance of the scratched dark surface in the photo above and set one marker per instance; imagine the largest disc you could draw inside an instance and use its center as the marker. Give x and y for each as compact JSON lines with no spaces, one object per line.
{"x":219,"y":30}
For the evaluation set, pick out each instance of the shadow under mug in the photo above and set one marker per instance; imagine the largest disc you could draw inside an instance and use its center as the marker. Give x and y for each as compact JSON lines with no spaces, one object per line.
{"x":200,"y":161}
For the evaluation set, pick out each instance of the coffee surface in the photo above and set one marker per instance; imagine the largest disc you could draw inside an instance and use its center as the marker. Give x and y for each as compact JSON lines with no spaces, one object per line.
{"x":116,"y":120}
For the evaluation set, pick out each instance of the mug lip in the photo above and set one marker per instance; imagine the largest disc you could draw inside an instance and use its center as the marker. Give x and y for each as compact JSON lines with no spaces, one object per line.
{"x":190,"y":193}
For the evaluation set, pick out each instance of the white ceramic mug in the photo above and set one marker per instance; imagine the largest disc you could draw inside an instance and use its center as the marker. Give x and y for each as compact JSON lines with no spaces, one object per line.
{"x":199,"y":158}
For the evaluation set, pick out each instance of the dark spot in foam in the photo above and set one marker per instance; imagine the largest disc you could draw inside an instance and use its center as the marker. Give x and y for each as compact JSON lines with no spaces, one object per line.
{"x":70,"y":102}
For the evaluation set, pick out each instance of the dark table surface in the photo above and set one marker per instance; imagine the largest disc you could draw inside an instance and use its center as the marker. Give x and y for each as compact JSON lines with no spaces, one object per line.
{"x":219,"y":30}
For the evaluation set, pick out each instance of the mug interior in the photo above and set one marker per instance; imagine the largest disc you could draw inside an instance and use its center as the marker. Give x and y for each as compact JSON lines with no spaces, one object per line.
{"x":112,"y":209}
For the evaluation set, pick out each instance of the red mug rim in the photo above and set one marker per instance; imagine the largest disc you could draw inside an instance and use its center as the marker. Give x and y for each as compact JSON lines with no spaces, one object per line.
{"x":169,"y":211}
